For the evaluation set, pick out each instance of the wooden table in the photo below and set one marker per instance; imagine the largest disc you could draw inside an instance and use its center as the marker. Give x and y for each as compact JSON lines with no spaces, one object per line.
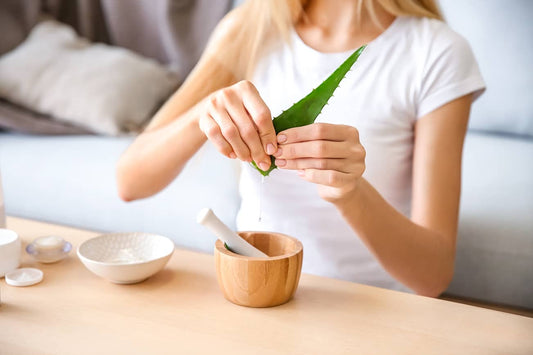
{"x":181,"y":311}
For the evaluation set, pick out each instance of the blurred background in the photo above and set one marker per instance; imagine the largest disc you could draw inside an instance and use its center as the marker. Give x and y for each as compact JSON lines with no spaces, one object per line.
{"x":79,"y":78}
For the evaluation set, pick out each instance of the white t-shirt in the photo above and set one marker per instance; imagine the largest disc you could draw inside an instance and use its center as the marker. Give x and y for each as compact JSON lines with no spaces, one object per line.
{"x":415,"y":66}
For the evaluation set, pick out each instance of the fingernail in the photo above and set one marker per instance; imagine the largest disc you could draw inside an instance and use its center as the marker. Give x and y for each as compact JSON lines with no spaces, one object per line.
{"x":270,"y":149}
{"x":281,"y":162}
{"x":232,"y":155}
{"x":263,"y":166}
{"x":282,"y":138}
{"x":301,"y":172}
{"x":278,"y":152}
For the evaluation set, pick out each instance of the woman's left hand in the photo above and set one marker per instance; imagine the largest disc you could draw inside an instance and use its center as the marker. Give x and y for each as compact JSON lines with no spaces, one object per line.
{"x":329,"y":155}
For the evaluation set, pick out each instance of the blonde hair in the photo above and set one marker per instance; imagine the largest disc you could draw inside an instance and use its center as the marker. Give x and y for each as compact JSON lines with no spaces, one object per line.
{"x":247,"y":32}
{"x":265,"y":19}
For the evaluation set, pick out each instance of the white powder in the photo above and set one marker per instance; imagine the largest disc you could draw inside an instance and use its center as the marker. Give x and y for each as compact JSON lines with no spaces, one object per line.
{"x":125,"y":256}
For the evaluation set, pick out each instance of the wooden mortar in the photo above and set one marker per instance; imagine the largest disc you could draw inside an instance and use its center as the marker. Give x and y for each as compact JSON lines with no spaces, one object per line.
{"x":260,"y":282}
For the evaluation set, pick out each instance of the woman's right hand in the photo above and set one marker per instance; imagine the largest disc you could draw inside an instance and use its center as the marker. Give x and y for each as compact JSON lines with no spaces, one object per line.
{"x":239,"y":124}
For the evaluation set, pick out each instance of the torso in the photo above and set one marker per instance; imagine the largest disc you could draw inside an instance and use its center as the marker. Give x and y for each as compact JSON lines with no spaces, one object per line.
{"x":379,"y":98}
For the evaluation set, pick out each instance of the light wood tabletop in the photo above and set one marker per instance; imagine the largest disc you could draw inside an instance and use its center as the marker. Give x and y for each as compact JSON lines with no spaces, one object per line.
{"x":181,"y":310}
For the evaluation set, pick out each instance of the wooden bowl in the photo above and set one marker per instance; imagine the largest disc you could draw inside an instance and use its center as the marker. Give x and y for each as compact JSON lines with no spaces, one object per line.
{"x":260,"y":282}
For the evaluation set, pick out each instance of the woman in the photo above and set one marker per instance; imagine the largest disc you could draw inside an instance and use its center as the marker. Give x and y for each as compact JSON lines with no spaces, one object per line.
{"x":372,"y":188}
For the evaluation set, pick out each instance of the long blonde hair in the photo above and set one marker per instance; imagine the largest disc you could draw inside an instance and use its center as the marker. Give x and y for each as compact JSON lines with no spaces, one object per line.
{"x":247,"y":32}
{"x":261,"y":18}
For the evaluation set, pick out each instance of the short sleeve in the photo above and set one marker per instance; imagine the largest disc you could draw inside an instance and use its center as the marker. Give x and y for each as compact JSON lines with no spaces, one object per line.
{"x":450,"y":72}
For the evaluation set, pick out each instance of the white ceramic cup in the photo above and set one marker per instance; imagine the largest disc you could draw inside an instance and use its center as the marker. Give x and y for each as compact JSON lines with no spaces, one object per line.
{"x":10,"y":249}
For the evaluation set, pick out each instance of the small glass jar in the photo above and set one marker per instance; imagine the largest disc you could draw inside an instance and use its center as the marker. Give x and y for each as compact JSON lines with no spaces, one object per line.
{"x":49,"y":249}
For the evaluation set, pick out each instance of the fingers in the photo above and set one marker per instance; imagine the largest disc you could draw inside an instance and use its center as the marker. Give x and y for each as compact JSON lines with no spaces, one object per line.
{"x":331,"y":178}
{"x":342,"y":165}
{"x":213,"y":133}
{"x":325,"y":154}
{"x":247,"y":129}
{"x":230,"y":132}
{"x":244,"y":124}
{"x":314,"y":149}
{"x":319,"y":131}
{"x":261,"y":116}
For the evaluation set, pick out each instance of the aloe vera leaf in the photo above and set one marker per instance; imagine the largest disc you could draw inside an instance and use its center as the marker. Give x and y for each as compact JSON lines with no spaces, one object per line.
{"x":306,"y":110}
{"x":228,"y":248}
{"x":266,"y":172}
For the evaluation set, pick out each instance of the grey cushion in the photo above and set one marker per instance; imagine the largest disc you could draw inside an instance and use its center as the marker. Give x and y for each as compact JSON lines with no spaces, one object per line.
{"x":19,"y":119}
{"x":495,"y":246}
{"x":501,"y":36}
{"x":71,"y":180}
{"x":105,"y":89}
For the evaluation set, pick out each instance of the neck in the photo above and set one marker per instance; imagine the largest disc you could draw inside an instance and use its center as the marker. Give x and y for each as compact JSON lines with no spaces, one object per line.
{"x":336,"y":25}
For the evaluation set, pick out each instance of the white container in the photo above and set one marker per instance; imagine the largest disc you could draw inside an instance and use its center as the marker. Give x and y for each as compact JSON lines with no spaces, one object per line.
{"x":10,"y":248}
{"x":49,"y":249}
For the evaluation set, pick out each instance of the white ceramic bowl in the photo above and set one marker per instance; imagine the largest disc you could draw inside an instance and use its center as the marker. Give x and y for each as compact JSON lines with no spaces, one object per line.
{"x":126,"y":258}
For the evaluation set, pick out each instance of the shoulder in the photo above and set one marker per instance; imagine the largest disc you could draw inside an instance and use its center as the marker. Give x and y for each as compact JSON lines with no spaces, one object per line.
{"x":227,"y":28}
{"x":446,"y":66}
{"x":439,"y":51}
{"x":227,"y":42}
{"x":435,"y":35}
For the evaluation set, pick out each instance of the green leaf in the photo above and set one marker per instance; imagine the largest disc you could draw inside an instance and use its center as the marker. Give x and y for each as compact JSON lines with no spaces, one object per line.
{"x":228,"y":248}
{"x":306,"y":110}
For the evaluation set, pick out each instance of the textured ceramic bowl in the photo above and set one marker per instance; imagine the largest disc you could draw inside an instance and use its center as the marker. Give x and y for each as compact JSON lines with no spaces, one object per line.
{"x":260,"y":282}
{"x":126,"y":258}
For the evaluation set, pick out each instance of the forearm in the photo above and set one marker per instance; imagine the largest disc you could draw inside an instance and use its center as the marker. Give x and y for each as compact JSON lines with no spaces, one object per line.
{"x":157,"y":156}
{"x":418,"y":257}
{"x":174,"y":135}
{"x":420,"y":251}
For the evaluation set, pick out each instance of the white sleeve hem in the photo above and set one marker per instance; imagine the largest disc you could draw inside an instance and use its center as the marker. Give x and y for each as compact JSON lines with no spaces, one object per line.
{"x":474,"y":85}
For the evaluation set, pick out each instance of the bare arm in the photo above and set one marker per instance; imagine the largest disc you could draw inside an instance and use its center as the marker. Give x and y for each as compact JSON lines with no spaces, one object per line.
{"x":173,"y":136}
{"x":212,"y":104}
{"x":420,"y":251}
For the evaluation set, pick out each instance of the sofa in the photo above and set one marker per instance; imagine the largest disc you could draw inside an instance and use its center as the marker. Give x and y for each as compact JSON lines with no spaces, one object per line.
{"x":70,"y":179}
